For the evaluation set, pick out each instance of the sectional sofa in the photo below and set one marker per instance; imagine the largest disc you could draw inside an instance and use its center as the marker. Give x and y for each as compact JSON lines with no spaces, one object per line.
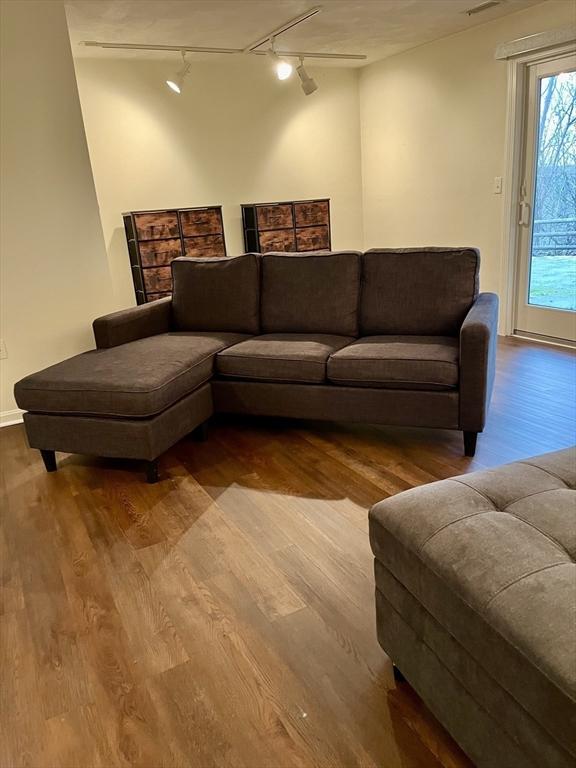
{"x":399,"y":337}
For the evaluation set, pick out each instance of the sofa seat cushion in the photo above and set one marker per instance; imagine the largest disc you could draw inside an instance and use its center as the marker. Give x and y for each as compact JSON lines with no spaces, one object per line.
{"x":284,"y":357}
{"x":397,"y":362}
{"x":491,"y":556}
{"x":138,"y":379}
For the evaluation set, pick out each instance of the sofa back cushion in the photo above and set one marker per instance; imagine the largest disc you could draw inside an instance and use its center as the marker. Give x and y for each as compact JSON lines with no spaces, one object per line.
{"x":422,"y":291}
{"x":311,"y":293}
{"x":220,"y":294}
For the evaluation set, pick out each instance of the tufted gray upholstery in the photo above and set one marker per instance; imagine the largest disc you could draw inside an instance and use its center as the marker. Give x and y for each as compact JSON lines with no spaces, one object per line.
{"x":490,"y":556}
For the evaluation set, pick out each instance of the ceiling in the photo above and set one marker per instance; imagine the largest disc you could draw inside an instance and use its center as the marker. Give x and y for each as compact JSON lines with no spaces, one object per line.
{"x":377,"y":28}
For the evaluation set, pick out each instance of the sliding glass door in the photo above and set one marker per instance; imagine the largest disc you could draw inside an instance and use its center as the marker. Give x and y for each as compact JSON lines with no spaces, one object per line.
{"x":546,"y":275}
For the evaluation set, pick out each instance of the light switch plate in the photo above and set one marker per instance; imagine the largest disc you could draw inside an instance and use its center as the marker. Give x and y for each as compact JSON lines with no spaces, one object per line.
{"x":3,"y":352}
{"x":497,"y":185}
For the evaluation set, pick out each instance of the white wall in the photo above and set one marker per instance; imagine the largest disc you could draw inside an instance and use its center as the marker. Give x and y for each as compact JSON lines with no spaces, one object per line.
{"x":54,"y":273}
{"x":433,"y":131}
{"x":235,"y":135}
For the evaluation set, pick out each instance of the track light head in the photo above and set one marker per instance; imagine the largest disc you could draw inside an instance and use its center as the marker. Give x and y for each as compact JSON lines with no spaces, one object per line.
{"x":283,"y":68}
{"x":307,"y":83}
{"x":177,"y":82}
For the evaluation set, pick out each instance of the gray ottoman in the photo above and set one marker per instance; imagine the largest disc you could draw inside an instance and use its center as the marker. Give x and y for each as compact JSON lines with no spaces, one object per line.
{"x":476,"y":606}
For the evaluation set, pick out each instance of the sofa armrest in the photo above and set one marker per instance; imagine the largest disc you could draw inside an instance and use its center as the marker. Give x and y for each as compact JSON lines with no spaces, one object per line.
{"x":134,"y":323}
{"x":478,"y":337}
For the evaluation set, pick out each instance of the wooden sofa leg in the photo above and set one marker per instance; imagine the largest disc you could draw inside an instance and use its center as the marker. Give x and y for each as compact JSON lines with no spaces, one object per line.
{"x":152,"y":471}
{"x":470,"y":443}
{"x":49,"y":459}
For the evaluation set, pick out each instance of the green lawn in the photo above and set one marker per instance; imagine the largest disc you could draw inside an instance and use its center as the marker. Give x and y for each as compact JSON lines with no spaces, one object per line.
{"x":553,"y":281}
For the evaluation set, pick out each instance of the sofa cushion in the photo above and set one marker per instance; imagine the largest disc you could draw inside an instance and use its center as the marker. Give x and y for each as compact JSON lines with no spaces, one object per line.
{"x":491,"y":555}
{"x":422,"y":291}
{"x":137,"y":379}
{"x":311,"y":293}
{"x":220,"y":294}
{"x":281,"y":357}
{"x":399,"y":362}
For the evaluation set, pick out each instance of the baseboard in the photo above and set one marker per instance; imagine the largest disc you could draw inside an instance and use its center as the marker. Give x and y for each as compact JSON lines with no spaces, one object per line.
{"x":540,"y":339}
{"x":8,"y":418}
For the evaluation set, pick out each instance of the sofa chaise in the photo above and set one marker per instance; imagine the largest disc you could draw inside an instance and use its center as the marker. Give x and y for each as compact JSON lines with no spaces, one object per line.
{"x":476,"y":606}
{"x":397,"y":337}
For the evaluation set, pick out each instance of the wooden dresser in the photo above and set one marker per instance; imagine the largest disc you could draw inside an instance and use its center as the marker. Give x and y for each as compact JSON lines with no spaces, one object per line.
{"x":155,"y":238}
{"x":299,"y":225}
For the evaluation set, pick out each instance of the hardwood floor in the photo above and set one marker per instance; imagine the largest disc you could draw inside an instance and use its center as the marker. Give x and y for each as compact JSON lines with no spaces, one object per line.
{"x":225,"y":616}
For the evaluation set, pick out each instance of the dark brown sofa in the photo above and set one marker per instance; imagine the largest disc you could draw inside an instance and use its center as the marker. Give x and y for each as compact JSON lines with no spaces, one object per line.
{"x":386,"y":337}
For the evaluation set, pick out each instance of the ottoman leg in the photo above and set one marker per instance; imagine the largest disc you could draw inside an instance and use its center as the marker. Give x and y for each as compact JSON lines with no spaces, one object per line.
{"x":152,"y":471}
{"x":470,"y":443}
{"x":49,"y":459}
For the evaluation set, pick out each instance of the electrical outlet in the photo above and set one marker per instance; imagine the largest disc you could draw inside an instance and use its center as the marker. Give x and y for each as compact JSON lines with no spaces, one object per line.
{"x":497,"y":185}
{"x":3,"y":352}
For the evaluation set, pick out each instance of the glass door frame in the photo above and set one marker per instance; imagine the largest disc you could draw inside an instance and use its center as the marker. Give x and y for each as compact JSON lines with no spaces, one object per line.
{"x":551,"y":48}
{"x":531,"y":319}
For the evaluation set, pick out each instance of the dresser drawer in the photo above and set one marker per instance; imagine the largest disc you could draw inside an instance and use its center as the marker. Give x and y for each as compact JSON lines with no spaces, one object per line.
{"x":208,"y":247}
{"x":309,"y":213}
{"x":153,"y":226}
{"x":201,"y":222}
{"x":279,"y":240}
{"x":312,"y":239}
{"x":274,"y":217}
{"x":157,"y":279}
{"x":157,"y":253}
{"x":156,"y":296}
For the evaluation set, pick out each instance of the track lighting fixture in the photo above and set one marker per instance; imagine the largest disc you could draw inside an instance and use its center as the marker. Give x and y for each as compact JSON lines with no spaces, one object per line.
{"x":176,"y":84}
{"x":283,"y":68}
{"x":308,"y":83}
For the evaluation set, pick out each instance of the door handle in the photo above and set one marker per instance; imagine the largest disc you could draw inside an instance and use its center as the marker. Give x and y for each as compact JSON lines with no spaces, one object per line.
{"x":524,"y":219}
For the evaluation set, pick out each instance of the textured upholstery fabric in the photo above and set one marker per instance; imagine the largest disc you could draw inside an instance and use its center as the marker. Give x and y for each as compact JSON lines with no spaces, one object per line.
{"x":399,"y":362}
{"x":478,"y":341}
{"x":120,"y":438}
{"x":219,"y":294}
{"x":334,"y":403}
{"x":311,"y":293}
{"x":478,"y":683}
{"x":280,"y":357}
{"x":437,"y":670}
{"x":138,"y":379}
{"x":490,"y":556}
{"x":134,"y":323}
{"x":422,"y":291}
